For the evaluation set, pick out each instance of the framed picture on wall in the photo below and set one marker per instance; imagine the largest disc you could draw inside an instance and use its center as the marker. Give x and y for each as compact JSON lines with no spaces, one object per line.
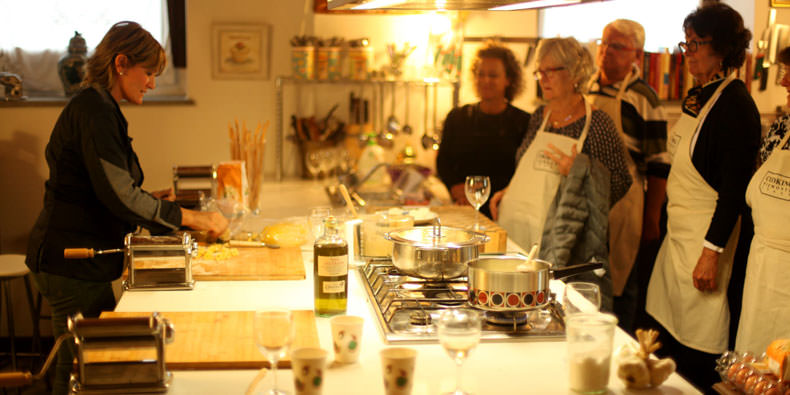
{"x":240,"y":51}
{"x":780,"y":3}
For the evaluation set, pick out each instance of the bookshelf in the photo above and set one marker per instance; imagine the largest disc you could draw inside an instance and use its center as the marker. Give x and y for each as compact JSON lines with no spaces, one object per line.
{"x":668,"y":74}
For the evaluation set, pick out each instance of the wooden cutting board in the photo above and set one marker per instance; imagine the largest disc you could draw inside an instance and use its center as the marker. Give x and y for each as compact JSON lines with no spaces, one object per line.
{"x":464,"y":216}
{"x":215,"y":340}
{"x":253,"y":264}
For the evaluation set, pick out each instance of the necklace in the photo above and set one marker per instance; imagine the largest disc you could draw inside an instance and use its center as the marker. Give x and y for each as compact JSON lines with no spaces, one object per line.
{"x":563,"y":120}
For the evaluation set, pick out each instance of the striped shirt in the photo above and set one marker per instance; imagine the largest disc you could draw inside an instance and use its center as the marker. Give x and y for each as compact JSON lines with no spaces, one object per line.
{"x":644,"y":125}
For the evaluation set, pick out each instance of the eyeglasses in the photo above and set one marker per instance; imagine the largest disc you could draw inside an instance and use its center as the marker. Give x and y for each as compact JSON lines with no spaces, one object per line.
{"x":613,"y":45}
{"x":692,"y":46}
{"x":541,"y":74}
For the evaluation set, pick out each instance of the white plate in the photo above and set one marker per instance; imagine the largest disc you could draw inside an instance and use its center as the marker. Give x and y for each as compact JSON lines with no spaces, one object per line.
{"x":422,"y":215}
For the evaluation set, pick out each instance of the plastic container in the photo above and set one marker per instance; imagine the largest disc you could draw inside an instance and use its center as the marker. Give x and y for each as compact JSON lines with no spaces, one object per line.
{"x":372,"y":156}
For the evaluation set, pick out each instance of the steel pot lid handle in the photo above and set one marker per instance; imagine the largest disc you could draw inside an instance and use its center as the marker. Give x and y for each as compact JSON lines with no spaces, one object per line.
{"x":437,"y":229}
{"x":568,"y":271}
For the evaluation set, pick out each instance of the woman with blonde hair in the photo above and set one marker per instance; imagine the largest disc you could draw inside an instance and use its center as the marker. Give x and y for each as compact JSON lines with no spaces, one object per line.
{"x":93,"y":197}
{"x":557,"y":132}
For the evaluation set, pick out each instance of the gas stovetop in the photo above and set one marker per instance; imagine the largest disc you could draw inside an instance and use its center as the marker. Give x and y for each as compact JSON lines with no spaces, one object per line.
{"x":408,"y":307}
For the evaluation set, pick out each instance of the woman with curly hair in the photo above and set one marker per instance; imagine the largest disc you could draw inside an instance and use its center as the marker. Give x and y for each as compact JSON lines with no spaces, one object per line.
{"x":481,"y":138}
{"x":713,"y":147}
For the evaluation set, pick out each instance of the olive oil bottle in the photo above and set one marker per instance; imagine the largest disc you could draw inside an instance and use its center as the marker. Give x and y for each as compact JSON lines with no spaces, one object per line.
{"x":330,"y":270}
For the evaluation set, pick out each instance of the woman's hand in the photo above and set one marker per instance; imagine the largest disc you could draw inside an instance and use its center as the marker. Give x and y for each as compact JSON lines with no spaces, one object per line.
{"x":706,"y":270}
{"x":493,"y":205}
{"x":564,"y":162}
{"x":458,"y":193}
{"x":165,"y":194}
{"x":211,"y":221}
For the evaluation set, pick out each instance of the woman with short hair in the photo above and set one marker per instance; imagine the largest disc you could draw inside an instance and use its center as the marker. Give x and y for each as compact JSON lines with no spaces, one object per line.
{"x":565,"y":125}
{"x":93,"y":196}
{"x":713,"y":147}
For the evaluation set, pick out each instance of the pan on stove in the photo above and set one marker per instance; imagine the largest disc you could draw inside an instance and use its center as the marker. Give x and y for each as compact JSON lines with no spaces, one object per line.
{"x":497,"y":284}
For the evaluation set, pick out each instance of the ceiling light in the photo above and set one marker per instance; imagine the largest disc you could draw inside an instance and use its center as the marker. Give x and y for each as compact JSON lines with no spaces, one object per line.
{"x":377,"y":4}
{"x":534,"y":4}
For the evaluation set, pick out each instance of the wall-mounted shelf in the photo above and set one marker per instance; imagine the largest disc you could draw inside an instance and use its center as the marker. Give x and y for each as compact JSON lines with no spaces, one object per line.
{"x":281,"y":81}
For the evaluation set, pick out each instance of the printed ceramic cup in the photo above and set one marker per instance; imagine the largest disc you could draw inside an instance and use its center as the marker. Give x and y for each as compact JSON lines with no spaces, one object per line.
{"x":346,"y":337}
{"x":589,"y":337}
{"x":308,"y":365}
{"x":397,"y":364}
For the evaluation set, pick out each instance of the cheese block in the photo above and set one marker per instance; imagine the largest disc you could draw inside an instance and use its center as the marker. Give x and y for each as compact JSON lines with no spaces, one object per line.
{"x":778,"y":358}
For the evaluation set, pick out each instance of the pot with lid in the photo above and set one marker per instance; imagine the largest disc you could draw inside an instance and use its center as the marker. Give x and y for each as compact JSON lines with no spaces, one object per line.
{"x":434,"y":252}
{"x":512,"y":282}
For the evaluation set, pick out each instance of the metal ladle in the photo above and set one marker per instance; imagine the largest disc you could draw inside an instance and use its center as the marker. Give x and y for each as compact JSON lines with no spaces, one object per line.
{"x":407,"y":128}
{"x":393,"y":125}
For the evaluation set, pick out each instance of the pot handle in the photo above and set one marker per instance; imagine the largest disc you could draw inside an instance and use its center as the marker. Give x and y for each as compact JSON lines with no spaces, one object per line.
{"x":568,"y":271}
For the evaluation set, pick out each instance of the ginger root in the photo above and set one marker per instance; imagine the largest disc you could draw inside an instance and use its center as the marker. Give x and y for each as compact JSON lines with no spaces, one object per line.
{"x":638,"y":370}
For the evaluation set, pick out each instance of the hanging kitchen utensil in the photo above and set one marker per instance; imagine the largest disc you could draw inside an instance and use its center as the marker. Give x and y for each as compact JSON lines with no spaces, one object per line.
{"x":384,"y":137}
{"x":406,"y":127}
{"x":426,"y":140}
{"x":393,"y":125}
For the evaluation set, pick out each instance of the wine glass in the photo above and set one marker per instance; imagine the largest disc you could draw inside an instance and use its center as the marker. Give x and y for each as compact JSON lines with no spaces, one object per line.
{"x":581,"y":297}
{"x":273,"y":335}
{"x":459,"y":332}
{"x":477,"y":189}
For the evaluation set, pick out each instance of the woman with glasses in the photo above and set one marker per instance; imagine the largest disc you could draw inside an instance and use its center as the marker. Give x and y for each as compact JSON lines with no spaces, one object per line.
{"x":767,"y":277}
{"x":713,"y":147}
{"x":566,"y":125}
{"x":482,"y":138}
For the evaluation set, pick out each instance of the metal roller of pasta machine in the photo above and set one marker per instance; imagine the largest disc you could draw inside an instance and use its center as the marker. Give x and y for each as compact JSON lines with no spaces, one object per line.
{"x":153,"y":262}
{"x":114,"y":355}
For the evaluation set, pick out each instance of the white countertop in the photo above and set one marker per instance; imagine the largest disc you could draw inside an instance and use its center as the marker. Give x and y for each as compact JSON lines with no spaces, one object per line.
{"x":538,"y":367}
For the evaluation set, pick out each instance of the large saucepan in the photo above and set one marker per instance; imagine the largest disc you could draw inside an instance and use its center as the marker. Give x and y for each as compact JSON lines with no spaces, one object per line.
{"x":434,"y":252}
{"x":497,"y":282}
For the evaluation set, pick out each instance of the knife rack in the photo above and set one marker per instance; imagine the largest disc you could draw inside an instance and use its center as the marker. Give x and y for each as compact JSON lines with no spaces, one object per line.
{"x":96,"y":339}
{"x":159,"y":262}
{"x":192,"y":183}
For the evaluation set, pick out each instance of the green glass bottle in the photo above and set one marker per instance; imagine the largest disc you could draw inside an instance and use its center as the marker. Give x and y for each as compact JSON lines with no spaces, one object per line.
{"x":330,"y":270}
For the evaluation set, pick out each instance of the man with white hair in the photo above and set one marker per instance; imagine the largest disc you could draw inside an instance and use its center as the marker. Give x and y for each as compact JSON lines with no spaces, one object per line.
{"x":634,"y":229}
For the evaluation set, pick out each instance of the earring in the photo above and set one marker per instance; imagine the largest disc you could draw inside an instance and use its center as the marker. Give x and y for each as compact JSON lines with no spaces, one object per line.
{"x":120,"y":73}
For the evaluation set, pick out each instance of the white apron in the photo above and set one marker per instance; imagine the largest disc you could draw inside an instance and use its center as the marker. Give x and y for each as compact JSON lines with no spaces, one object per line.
{"x":699,"y":320}
{"x":625,"y":217}
{"x":522,"y":211}
{"x":765,"y":315}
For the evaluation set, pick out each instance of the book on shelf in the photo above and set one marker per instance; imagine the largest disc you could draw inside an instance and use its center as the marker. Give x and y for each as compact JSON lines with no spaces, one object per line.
{"x":667,"y":73}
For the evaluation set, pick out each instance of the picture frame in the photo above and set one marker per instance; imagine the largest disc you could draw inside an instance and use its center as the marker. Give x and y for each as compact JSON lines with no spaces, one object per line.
{"x":240,"y":51}
{"x":780,"y":3}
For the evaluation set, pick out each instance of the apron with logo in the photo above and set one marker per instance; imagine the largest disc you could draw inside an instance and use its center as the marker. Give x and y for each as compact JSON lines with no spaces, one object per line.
{"x":625,"y":217}
{"x":522,"y":211}
{"x":699,"y":320}
{"x":765,"y":315}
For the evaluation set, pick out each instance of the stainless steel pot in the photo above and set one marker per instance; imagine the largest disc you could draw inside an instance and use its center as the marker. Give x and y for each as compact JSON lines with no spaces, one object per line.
{"x":497,"y":284}
{"x":434,"y":252}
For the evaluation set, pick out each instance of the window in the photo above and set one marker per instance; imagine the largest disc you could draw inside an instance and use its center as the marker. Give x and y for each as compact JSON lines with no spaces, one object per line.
{"x":662,"y":20}
{"x":34,"y":35}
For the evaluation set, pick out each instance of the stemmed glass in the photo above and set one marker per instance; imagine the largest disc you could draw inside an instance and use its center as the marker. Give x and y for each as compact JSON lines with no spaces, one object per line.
{"x":273,"y":335}
{"x":459,"y":332}
{"x":477,"y":189}
{"x":581,"y":297}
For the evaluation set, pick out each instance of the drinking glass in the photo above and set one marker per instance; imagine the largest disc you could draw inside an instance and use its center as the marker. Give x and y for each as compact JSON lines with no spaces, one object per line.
{"x":459,"y":332}
{"x":477,"y":189}
{"x":273,"y":335}
{"x":581,"y":297}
